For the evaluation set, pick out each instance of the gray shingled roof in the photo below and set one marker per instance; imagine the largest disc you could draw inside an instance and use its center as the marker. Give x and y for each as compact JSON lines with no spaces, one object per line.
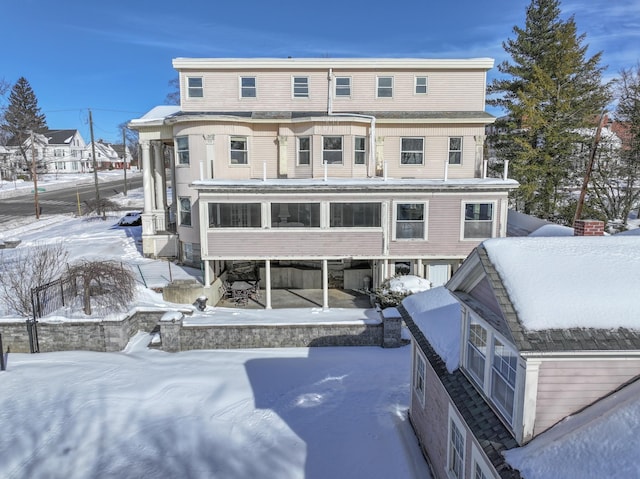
{"x":554,"y":340}
{"x":491,"y":433}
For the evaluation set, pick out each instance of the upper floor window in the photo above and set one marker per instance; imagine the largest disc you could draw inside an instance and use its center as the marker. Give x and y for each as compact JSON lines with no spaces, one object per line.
{"x":421,"y":85}
{"x":493,"y":366}
{"x":354,"y":215}
{"x":304,"y":150}
{"x":503,"y":378}
{"x":480,"y":470}
{"x":300,"y":87}
{"x":239,"y":150}
{"x":185,"y":211}
{"x":478,"y":220}
{"x":291,"y":215}
{"x":359,"y":150}
{"x":385,"y":87}
{"x":477,"y":351}
{"x":455,"y":150}
{"x":234,"y":215}
{"x":343,"y":86}
{"x":412,"y":151}
{"x":332,"y":149}
{"x":248,"y":87}
{"x":194,"y":87}
{"x":410,"y":221}
{"x":182,"y":149}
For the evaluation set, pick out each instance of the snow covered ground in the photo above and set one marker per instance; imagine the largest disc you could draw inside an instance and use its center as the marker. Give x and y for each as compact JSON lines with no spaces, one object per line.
{"x":281,"y":413}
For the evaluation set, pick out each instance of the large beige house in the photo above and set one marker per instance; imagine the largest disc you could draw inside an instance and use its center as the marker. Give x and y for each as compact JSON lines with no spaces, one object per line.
{"x":321,"y":172}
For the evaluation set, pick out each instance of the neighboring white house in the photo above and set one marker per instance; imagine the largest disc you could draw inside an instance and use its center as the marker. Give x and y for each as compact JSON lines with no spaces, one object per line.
{"x":321,"y":172}
{"x":108,"y":156}
{"x":527,"y":333}
{"x":56,"y":151}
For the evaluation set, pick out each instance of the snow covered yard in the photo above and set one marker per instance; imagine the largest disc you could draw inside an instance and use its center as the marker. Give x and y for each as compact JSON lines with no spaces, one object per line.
{"x":261,"y":413}
{"x":285,"y":413}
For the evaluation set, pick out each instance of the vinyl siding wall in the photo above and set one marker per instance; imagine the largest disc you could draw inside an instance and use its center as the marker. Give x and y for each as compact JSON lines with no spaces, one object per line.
{"x":454,"y":90}
{"x":264,"y":148}
{"x":565,"y":387}
{"x":444,"y":216}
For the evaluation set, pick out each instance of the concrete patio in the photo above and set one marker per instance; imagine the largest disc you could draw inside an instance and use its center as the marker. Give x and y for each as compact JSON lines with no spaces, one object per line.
{"x":303,"y":298}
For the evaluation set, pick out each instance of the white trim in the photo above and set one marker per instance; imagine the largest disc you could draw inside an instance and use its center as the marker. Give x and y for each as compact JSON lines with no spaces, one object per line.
{"x":494,"y":221}
{"x":377,"y":96}
{"x":325,"y":63}
{"x":415,"y":85}
{"x":255,"y":87}
{"x":335,"y":87}
{"x":293,"y":87}
{"x":188,"y":96}
{"x":425,"y":219}
{"x":418,"y":356}
{"x":477,"y":457}
{"x":453,"y":417}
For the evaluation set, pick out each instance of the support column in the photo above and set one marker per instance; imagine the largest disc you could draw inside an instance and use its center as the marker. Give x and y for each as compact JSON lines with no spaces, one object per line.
{"x":479,"y":154}
{"x":325,"y":284}
{"x":420,"y":269}
{"x":147,"y":181}
{"x":379,"y":155}
{"x":174,"y":199}
{"x":282,"y":156}
{"x":207,"y":273}
{"x":160,"y":187}
{"x":210,"y":156}
{"x":267,"y":283}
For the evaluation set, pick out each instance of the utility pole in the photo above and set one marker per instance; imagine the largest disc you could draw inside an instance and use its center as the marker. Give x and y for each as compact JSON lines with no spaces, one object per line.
{"x":95,"y":167}
{"x":587,"y":175}
{"x":124,"y":158}
{"x":35,"y":175}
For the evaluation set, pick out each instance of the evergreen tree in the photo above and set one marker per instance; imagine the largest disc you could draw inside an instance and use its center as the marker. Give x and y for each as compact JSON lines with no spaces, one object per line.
{"x":22,"y":115}
{"x":549,"y":91}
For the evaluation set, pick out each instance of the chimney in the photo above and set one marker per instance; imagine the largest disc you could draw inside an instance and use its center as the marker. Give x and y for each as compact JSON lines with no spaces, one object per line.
{"x":588,"y":228}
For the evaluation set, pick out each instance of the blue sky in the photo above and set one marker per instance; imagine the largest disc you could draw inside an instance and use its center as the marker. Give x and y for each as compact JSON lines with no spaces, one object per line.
{"x":115,"y":57}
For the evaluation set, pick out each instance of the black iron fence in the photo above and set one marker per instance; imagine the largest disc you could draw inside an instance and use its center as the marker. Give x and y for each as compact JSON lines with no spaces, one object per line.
{"x":47,"y":298}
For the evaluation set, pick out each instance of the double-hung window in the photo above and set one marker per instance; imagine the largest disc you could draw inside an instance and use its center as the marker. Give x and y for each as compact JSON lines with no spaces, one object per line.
{"x":421,"y":85}
{"x":503,"y":378}
{"x":477,"y":351}
{"x":455,"y":453}
{"x":410,"y":221}
{"x":359,"y":150}
{"x":182,"y":149}
{"x":455,"y":150}
{"x":194,"y":87}
{"x":332,"y":149}
{"x":384,"y":87}
{"x":411,"y":151}
{"x":248,"y":87}
{"x":343,"y":86}
{"x":239,"y":150}
{"x":478,"y":220}
{"x":300,"y":87}
{"x":185,"y":211}
{"x":304,"y":150}
{"x":419,"y":376}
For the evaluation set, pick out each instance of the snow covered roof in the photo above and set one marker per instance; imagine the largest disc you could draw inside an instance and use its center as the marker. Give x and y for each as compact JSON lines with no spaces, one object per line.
{"x":157,"y":113}
{"x":563,"y":283}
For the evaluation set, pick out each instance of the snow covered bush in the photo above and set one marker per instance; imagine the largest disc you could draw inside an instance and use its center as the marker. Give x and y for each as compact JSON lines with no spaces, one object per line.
{"x":393,"y":290}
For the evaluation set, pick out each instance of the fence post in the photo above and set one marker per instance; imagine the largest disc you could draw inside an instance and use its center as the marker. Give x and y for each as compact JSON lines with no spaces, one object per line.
{"x":3,"y":365}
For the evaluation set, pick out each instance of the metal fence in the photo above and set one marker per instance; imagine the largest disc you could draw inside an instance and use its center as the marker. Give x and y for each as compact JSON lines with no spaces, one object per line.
{"x":47,"y":298}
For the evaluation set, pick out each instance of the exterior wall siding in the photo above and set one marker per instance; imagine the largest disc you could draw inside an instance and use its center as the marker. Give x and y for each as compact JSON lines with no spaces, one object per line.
{"x":565,"y":387}
{"x":455,"y":90}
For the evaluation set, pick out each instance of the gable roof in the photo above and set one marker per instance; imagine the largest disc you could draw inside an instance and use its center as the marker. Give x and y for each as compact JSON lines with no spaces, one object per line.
{"x":492,"y":435}
{"x":59,"y":137}
{"x":562,"y":293}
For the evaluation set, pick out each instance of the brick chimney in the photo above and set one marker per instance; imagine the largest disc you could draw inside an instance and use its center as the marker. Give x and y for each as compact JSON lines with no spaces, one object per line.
{"x":588,"y":228}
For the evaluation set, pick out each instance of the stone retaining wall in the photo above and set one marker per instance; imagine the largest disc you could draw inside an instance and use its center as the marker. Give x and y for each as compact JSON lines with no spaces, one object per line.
{"x":108,"y":336}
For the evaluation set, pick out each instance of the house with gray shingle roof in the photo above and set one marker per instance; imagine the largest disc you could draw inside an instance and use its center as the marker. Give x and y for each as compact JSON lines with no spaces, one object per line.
{"x":545,"y":329}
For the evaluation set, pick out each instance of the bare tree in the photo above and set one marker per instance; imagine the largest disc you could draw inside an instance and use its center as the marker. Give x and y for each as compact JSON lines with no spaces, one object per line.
{"x":24,"y":269}
{"x":105,"y":205}
{"x":110,"y":284}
